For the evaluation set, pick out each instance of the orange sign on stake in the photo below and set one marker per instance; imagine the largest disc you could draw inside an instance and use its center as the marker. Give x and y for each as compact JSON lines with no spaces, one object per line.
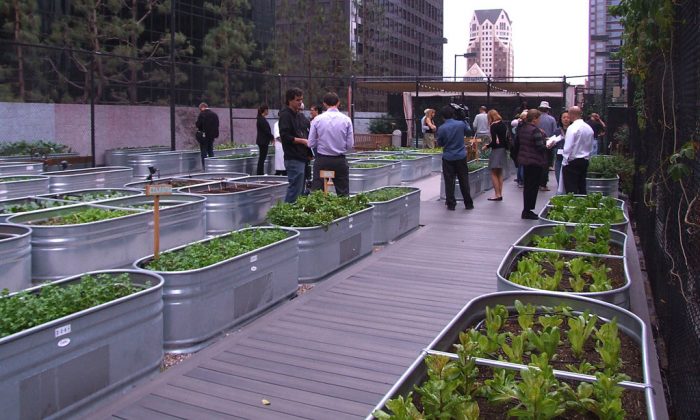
{"x":156,"y":190}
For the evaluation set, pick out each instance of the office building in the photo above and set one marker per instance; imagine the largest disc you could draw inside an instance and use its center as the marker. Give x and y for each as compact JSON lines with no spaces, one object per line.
{"x":490,"y":43}
{"x":605,"y":38}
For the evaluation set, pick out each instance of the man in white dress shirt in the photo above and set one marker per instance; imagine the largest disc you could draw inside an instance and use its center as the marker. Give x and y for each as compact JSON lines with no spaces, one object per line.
{"x":577,"y":152}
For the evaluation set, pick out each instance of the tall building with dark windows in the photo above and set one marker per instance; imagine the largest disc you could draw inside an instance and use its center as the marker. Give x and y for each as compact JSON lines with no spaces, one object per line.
{"x":605,"y":38}
{"x":490,"y":45}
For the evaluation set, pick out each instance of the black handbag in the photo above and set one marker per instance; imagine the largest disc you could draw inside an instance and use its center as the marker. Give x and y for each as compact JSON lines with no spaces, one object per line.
{"x":200,"y":136}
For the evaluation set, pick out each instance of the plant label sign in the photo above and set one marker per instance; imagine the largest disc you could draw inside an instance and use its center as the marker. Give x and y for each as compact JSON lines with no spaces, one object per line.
{"x":159,"y":189}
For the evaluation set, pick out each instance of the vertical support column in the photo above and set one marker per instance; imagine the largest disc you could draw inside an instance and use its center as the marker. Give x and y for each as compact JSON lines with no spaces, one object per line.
{"x":415,"y":104}
{"x":488,"y":92}
{"x":230,"y":106}
{"x":173,"y":3}
{"x":563,"y":93}
{"x":92,"y":108}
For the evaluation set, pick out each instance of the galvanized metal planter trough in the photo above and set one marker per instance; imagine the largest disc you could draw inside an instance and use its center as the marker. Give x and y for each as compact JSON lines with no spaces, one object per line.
{"x":605,"y":186}
{"x":365,"y":179}
{"x":436,"y":162}
{"x":167,"y":163}
{"x":417,"y":168}
{"x":182,"y":216}
{"x":325,"y":249}
{"x":61,"y":367}
{"x":23,"y":186}
{"x":475,"y":183}
{"x":6,"y":206}
{"x":232,"y":163}
{"x":620,"y":226}
{"x":80,"y":179}
{"x":15,"y":257}
{"x":93,"y":195}
{"x":201,"y":303}
{"x":278,"y":185}
{"x":176,"y":182}
{"x":243,"y":150}
{"x":475,"y":312}
{"x":66,"y":250}
{"x":20,"y":168}
{"x":231,"y":205}
{"x":619,"y":296}
{"x":394,"y":170}
{"x":394,"y":218}
{"x":120,"y":157}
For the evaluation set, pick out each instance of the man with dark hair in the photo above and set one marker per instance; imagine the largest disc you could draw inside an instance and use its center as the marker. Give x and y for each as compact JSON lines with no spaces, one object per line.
{"x":450,"y":136}
{"x":294,"y":143}
{"x":208,"y":130}
{"x":332,"y":137}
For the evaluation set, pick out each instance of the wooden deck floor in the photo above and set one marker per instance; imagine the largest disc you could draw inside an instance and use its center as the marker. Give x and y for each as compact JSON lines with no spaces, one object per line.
{"x":333,"y":352}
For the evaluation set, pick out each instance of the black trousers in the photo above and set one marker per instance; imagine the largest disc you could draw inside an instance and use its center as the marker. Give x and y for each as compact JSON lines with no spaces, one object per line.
{"x":452,"y":169}
{"x":532,"y":174}
{"x":575,"y":176}
{"x":261,"y":158}
{"x":339,"y":165}
{"x":544,"y":179}
{"x":206,"y":149}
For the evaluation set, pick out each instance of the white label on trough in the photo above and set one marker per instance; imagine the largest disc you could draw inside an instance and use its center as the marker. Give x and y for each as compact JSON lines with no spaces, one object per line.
{"x":350,"y":219}
{"x":63,"y":342}
{"x":29,"y":168}
{"x":100,"y":179}
{"x":62,"y":331}
{"x":253,"y":268}
{"x":350,"y":226}
{"x":253,"y":258}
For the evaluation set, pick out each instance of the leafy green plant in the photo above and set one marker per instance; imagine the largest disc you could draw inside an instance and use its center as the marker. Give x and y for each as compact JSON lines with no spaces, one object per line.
{"x":526,"y":314}
{"x":40,"y":147}
{"x":91,"y":196}
{"x":538,"y":395}
{"x":545,"y":341}
{"x":225,"y":146}
{"x":30,"y":205}
{"x":580,"y":330}
{"x":87,"y":215}
{"x":608,"y":345}
{"x":386,"y":194}
{"x":237,"y":156}
{"x":23,"y":310}
{"x":15,"y":178}
{"x":220,"y":248}
{"x":315,"y":209}
{"x":366,"y":165}
{"x":475,"y":165}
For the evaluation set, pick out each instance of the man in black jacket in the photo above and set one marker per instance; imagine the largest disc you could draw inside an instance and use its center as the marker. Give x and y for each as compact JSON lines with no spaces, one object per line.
{"x":208,"y":125}
{"x":294,"y":143}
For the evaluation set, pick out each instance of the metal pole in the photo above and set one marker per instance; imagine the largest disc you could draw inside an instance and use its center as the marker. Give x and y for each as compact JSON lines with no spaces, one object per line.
{"x":563,"y":92}
{"x":172,"y":74}
{"x":230,"y":108}
{"x":420,"y":56}
{"x":413,"y":117}
{"x":488,"y":92}
{"x":279,"y":91}
{"x":92,"y":107}
{"x":455,"y":73}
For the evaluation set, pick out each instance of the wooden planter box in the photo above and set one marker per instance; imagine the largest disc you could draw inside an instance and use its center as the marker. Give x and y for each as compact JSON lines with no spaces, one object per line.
{"x":474,"y":312}
{"x":202,"y":303}
{"x":60,"y":367}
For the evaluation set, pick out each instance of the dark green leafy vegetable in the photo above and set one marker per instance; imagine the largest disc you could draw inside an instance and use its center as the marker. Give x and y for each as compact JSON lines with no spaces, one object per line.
{"x":386,"y":194}
{"x":316,"y":209}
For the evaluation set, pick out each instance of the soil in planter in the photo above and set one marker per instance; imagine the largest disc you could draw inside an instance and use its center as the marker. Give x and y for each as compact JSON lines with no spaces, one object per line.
{"x":230,"y":189}
{"x":616,"y":274}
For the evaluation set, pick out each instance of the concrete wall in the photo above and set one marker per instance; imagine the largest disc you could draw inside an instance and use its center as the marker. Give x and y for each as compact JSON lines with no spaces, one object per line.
{"x":125,"y":125}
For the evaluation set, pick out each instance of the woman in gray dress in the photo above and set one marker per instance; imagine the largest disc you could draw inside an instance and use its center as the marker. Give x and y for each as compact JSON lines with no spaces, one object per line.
{"x":498,"y":158}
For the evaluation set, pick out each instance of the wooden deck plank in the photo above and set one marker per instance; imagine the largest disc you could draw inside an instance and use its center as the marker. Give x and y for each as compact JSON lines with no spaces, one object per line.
{"x":313,"y":383}
{"x":179,"y":408}
{"x":239,"y":390}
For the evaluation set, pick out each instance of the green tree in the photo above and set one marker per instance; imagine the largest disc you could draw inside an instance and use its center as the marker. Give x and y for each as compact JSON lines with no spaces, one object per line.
{"x":113,"y":28}
{"x":229,"y":45}
{"x":20,"y":21}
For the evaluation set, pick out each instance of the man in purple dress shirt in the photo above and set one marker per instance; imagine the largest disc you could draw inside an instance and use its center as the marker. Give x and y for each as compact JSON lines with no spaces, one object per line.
{"x":331,"y":135}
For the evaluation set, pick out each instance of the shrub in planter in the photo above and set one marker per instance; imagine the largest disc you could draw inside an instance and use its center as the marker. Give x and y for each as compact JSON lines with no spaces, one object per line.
{"x":23,"y":147}
{"x":333,"y":231}
{"x":613,"y":166}
{"x":529,"y":360}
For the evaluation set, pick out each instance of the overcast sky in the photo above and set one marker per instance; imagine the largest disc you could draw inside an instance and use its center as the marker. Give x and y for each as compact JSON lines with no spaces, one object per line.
{"x":550,"y":37}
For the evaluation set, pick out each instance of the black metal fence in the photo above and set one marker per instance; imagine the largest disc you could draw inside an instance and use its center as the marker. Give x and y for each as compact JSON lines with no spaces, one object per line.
{"x":667,"y":207}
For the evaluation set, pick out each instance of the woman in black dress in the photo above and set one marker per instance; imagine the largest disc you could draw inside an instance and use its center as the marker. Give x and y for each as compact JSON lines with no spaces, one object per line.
{"x":264,"y":137}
